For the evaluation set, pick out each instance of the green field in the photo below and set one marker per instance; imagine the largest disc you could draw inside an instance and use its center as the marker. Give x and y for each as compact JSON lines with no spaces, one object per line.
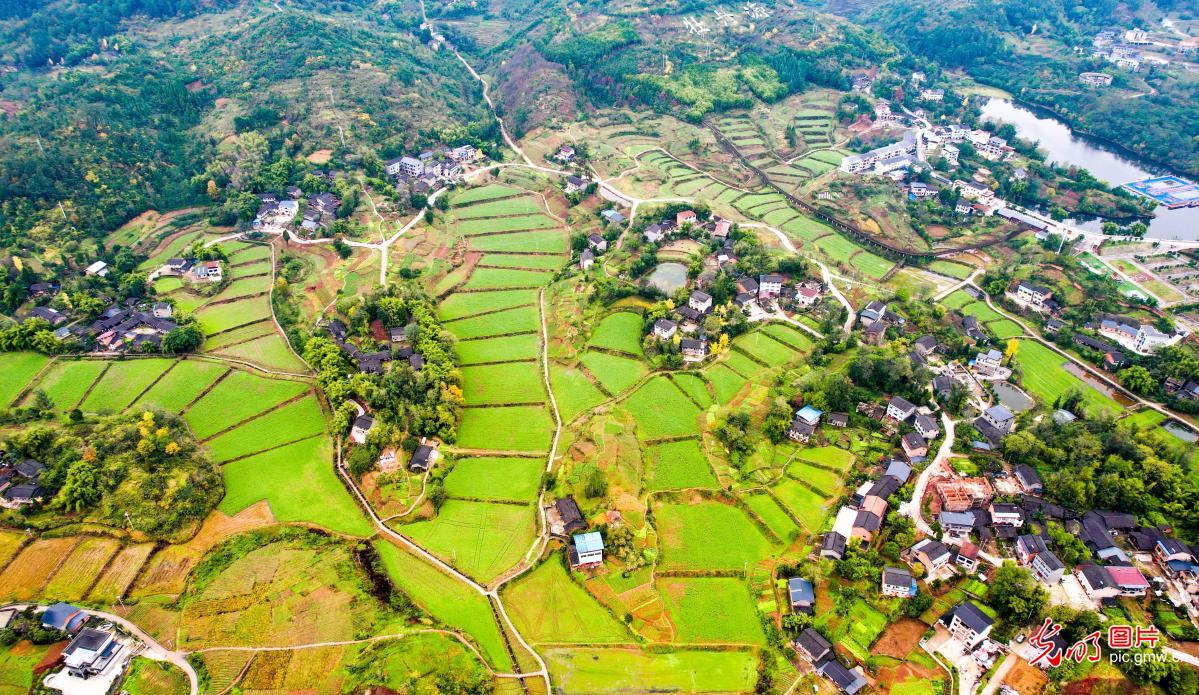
{"x":614,"y":373}
{"x":298,"y":483}
{"x":496,"y":478}
{"x":525,"y":319}
{"x":270,"y":351}
{"x":807,"y":228}
{"x":546,"y":605}
{"x":774,"y":516}
{"x":505,"y":224}
{"x":294,"y":421}
{"x":523,"y":205}
{"x":725,"y":382}
{"x":741,"y":364}
{"x":215,"y":318}
{"x":239,"y":396}
{"x":953,"y":270}
{"x":827,"y":456}
{"x":488,"y":192}
{"x":707,"y":536}
{"x":447,"y":600}
{"x":618,"y":671}
{"x":1045,"y":379}
{"x":123,"y":382}
{"x":714,"y":609}
{"x":872,"y":265}
{"x":765,"y":348}
{"x":482,"y":539}
{"x":620,"y":331}
{"x":662,"y":410}
{"x":535,"y":261}
{"x":980,"y":311}
{"x":521,"y":428}
{"x":678,"y":465}
{"x":1004,"y":329}
{"x":837,"y":247}
{"x":957,"y":299}
{"x":573,"y":391}
{"x":506,"y":278}
{"x":546,"y":241}
{"x":509,"y":348}
{"x":826,"y":481}
{"x":804,"y":504}
{"x":66,"y":382}
{"x":694,"y":386}
{"x":17,"y":369}
{"x":463,"y":304}
{"x":180,"y":386}
{"x":786,"y":334}
{"x":498,"y":384}
{"x":238,"y":335}
{"x":865,"y":625}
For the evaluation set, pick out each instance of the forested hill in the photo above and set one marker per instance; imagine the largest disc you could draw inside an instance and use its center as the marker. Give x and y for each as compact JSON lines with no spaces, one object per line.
{"x":141,"y":96}
{"x":1037,"y":49}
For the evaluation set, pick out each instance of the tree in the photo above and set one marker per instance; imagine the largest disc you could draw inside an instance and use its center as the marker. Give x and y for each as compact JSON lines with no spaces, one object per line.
{"x":1009,"y":353}
{"x":182,"y":339}
{"x":595,"y":484}
{"x":1138,"y":379}
{"x":81,"y":489}
{"x":1016,"y":595}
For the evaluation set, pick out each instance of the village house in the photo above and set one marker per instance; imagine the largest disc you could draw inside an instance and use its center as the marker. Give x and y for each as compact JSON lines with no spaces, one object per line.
{"x":684,"y":218}
{"x":1028,"y":478}
{"x":99,"y":269}
{"x":586,"y":550}
{"x":967,"y":556}
{"x":90,"y":652}
{"x":565,"y":154}
{"x":1171,"y":549}
{"x":812,"y":646}
{"x":898,"y":582}
{"x":694,"y":349}
{"x":847,"y":681}
{"x":1000,"y":418}
{"x":362,"y":425}
{"x":957,"y":523}
{"x":926,"y":426}
{"x":806,"y":295}
{"x":832,"y":546}
{"x":900,"y":409}
{"x":933,"y":554}
{"x":612,"y":217}
{"x":51,"y":316}
{"x":597,"y":242}
{"x":574,"y":184}
{"x":1047,"y":567}
{"x":655,"y":233}
{"x":838,"y":420}
{"x":1006,"y":514}
{"x":914,"y":446}
{"x":874,"y":311}
{"x":564,"y":518}
{"x":63,"y":617}
{"x":875,"y":333}
{"x":700,"y":301}
{"x":423,"y":457}
{"x":925,"y":345}
{"x":988,"y":363}
{"x":665,"y":329}
{"x":802,"y":595}
{"x":1034,"y":296}
{"x":721,"y":227}
{"x":770,"y":286}
{"x":586,"y":259}
{"x":1095,"y":79}
{"x":963,"y":494}
{"x":967,"y":624}
{"x":800,"y":430}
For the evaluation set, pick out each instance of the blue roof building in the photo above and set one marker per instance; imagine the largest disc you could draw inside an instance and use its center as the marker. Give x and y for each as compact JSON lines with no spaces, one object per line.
{"x":809,"y":415}
{"x":587,"y":550}
{"x":64,"y":616}
{"x":802,"y":595}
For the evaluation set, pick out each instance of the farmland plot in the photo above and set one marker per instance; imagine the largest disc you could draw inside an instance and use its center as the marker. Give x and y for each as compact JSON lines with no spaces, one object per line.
{"x":714,"y":609}
{"x":66,"y":382}
{"x":687,"y":532}
{"x":614,"y":373}
{"x":662,"y":410}
{"x":124,"y":381}
{"x":482,"y":539}
{"x":548,"y":606}
{"x":17,"y":369}
{"x":496,"y":478}
{"x":499,"y":384}
{"x":620,"y":331}
{"x":516,"y":428}
{"x":678,"y":465}
{"x":509,"y":348}
{"x":239,"y":396}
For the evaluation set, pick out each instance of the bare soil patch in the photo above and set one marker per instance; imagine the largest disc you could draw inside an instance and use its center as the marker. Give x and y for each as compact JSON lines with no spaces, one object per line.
{"x":899,"y":638}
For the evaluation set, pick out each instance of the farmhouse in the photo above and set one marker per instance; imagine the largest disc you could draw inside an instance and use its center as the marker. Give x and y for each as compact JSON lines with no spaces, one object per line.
{"x":967,"y":624}
{"x":927,"y":427}
{"x":21,"y":495}
{"x":655,"y":233}
{"x":564,"y":517}
{"x":1047,"y":567}
{"x":963,"y":494}
{"x":90,"y":652}
{"x":362,"y":425}
{"x":64,"y":617}
{"x":700,"y":301}
{"x":900,"y":409}
{"x":813,"y":646}
{"x":586,"y":259}
{"x":1005,"y":514}
{"x":832,"y":546}
{"x":586,"y":550}
{"x":806,"y":295}
{"x":99,"y":269}
{"x":988,"y":363}
{"x":770,"y":286}
{"x":47,"y":314}
{"x":565,"y":153}
{"x":802,"y":595}
{"x":694,"y":349}
{"x":1028,"y":478}
{"x":960,"y":523}
{"x":898,"y":582}
{"x":931,"y":553}
{"x":967,"y":556}
{"x":847,"y":681}
{"x":1095,"y":79}
{"x":574,"y":184}
{"x":424,"y":457}
{"x":612,"y":216}
{"x":800,"y":430}
{"x":685,"y":217}
{"x":1000,"y":418}
{"x":914,"y":446}
{"x":597,"y":242}
{"x":1032,"y":295}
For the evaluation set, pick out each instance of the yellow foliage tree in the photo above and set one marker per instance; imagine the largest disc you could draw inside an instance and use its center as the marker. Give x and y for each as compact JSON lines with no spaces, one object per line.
{"x":1013,"y":347}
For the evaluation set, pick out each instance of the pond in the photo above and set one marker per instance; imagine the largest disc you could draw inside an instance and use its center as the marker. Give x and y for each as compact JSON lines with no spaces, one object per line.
{"x":1012,"y":397}
{"x":1180,"y":430}
{"x":1063,"y":146}
{"x":668,"y":277}
{"x":1096,"y":384}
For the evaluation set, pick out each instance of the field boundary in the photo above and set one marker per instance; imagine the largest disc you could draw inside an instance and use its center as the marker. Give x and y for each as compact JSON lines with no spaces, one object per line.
{"x":271,"y":448}
{"x":144,"y":391}
{"x":88,"y":392}
{"x":260,"y":413}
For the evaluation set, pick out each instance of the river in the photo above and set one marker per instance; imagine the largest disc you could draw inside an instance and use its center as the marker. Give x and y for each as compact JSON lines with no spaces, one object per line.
{"x":1063,"y":146}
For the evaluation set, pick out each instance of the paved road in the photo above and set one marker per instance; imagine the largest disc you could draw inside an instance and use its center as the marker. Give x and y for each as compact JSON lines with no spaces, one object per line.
{"x":826,"y":276}
{"x":912,"y":508}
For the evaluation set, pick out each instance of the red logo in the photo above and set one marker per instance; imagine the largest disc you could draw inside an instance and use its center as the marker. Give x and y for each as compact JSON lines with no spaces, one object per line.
{"x":1052,"y":653}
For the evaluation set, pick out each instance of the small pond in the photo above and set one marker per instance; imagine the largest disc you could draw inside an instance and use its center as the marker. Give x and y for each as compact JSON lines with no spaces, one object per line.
{"x":667,"y":277}
{"x":1180,"y":430}
{"x":1096,"y":384}
{"x":1011,"y":396}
